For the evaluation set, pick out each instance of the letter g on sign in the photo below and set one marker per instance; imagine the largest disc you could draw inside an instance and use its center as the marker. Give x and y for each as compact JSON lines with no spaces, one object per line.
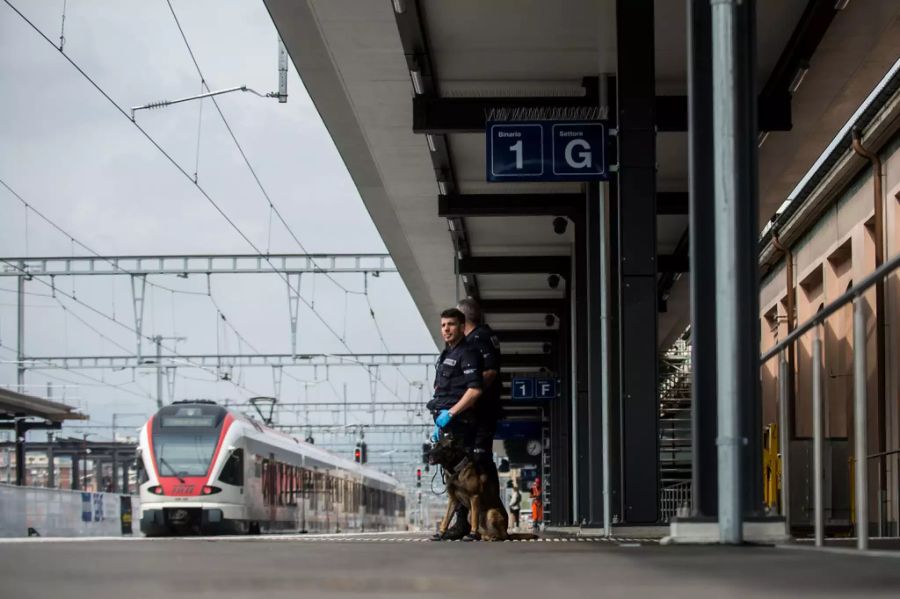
{"x":578,"y":154}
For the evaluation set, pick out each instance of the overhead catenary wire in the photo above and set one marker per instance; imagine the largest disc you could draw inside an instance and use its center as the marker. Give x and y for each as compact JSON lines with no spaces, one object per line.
{"x":90,"y":326}
{"x":272,"y":207}
{"x":75,"y":241}
{"x":119,"y":387}
{"x":115,"y":320}
{"x":181,"y":169}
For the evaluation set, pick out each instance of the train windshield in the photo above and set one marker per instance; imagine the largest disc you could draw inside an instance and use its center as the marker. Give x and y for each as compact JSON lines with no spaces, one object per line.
{"x":185,"y":439}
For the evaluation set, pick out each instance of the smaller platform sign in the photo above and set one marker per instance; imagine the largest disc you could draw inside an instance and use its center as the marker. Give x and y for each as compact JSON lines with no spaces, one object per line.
{"x":523,"y":388}
{"x":545,"y":388}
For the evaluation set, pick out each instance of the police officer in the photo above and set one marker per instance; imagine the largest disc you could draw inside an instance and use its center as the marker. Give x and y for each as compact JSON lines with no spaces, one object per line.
{"x":486,"y":412}
{"x":457,"y":389}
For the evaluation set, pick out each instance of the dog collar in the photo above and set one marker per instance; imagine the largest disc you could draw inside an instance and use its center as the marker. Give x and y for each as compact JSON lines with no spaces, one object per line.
{"x":462,"y":464}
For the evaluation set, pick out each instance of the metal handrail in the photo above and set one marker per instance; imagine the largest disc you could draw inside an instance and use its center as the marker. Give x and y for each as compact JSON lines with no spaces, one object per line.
{"x":851,"y":294}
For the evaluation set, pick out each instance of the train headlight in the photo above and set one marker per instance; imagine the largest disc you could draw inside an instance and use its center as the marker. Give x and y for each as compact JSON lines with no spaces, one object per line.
{"x":208,"y":490}
{"x":157,"y":490}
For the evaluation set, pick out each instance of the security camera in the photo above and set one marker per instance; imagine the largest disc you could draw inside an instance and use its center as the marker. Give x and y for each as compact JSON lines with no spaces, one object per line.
{"x":553,"y":281}
{"x":560,"y":224}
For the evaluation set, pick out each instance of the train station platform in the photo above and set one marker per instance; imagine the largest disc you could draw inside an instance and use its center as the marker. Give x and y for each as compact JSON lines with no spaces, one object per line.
{"x":391,"y":565}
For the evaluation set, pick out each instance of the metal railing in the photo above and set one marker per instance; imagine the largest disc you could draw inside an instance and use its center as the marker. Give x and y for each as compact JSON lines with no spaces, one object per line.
{"x":860,"y":455}
{"x":675,"y":500}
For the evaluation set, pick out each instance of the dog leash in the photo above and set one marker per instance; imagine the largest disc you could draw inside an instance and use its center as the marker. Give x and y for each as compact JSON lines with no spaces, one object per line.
{"x":443,"y":480}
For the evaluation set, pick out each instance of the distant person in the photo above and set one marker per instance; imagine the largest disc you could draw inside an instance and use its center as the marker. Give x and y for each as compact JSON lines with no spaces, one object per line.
{"x":537,"y":504}
{"x":515,"y":504}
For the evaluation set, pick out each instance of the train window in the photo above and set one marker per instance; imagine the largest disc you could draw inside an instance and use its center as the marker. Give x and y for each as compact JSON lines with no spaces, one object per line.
{"x":233,"y":470}
{"x":265,"y":482}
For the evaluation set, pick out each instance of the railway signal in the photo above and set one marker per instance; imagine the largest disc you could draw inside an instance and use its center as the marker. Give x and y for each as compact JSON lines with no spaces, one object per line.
{"x":360,"y":454}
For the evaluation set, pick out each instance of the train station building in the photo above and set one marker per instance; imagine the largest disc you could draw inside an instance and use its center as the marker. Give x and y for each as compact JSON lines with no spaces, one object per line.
{"x":597,"y":263}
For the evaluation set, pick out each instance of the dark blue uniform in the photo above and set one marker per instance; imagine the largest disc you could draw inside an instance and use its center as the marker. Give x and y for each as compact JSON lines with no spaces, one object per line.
{"x":457,"y":370}
{"x":487,"y":410}
{"x":485,"y":342}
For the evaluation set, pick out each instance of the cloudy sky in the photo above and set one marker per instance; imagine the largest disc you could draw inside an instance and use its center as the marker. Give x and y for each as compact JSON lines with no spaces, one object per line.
{"x":69,"y":153}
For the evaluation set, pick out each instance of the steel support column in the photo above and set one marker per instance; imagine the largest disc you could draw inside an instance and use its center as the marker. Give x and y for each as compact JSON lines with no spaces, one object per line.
{"x":560,"y":488}
{"x":593,"y":506}
{"x":51,"y":463}
{"x":20,"y":336}
{"x":20,"y":429}
{"x":75,"y":481}
{"x":703,"y":268}
{"x":637,"y":226}
{"x":737,"y":286}
{"x":114,"y":474}
{"x":576,"y":293}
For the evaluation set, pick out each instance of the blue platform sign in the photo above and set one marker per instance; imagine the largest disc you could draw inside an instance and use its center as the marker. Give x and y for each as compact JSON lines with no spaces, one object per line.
{"x":546,"y":151}
{"x":516,"y":151}
{"x":523,"y":388}
{"x":545,"y":388}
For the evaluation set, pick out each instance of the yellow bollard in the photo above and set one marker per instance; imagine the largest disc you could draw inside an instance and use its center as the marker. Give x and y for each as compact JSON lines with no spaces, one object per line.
{"x":771,"y":467}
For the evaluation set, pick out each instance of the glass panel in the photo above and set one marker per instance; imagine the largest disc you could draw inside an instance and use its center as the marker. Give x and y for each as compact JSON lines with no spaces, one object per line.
{"x":184,"y":453}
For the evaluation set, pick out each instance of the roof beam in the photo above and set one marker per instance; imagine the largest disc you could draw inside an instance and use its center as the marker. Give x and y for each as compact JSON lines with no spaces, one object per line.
{"x":510,"y":204}
{"x":494,"y":265}
{"x":547,"y":361}
{"x":457,"y":205}
{"x":666,"y":263}
{"x":468,"y":115}
{"x":793,"y":63}
{"x":667,"y":280}
{"x":671,"y":203}
{"x":527,"y":335}
{"x":517,"y":265}
{"x":524,"y":306}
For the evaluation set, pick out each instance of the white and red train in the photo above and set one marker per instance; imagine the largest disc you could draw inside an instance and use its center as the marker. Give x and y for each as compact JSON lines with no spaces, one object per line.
{"x":208,"y":470}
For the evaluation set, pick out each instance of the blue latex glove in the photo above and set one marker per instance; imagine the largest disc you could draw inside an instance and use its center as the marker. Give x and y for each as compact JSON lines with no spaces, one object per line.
{"x":436,"y":434}
{"x":443,"y":418}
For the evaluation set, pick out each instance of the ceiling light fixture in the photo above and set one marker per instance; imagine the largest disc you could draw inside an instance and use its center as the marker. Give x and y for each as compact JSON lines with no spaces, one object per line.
{"x":418,"y":83}
{"x":802,"y":70}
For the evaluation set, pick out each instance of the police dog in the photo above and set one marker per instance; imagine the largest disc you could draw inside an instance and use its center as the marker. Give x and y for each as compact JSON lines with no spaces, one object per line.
{"x":468,"y":484}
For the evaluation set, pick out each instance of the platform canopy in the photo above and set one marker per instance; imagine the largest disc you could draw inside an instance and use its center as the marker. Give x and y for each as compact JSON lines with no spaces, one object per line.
{"x":18,"y":405}
{"x":817,"y":60}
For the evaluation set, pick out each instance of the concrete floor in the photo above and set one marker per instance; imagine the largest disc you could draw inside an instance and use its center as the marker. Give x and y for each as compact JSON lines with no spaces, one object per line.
{"x":379,"y":566}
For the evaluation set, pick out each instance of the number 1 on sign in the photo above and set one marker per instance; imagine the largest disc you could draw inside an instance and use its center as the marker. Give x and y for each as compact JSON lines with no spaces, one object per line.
{"x":517,"y":148}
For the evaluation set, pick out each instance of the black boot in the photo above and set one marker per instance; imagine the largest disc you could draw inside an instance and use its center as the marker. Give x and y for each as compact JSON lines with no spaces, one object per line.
{"x":458,"y":530}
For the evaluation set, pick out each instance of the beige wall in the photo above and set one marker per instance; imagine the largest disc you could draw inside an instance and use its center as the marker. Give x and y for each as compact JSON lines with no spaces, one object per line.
{"x":835,"y":253}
